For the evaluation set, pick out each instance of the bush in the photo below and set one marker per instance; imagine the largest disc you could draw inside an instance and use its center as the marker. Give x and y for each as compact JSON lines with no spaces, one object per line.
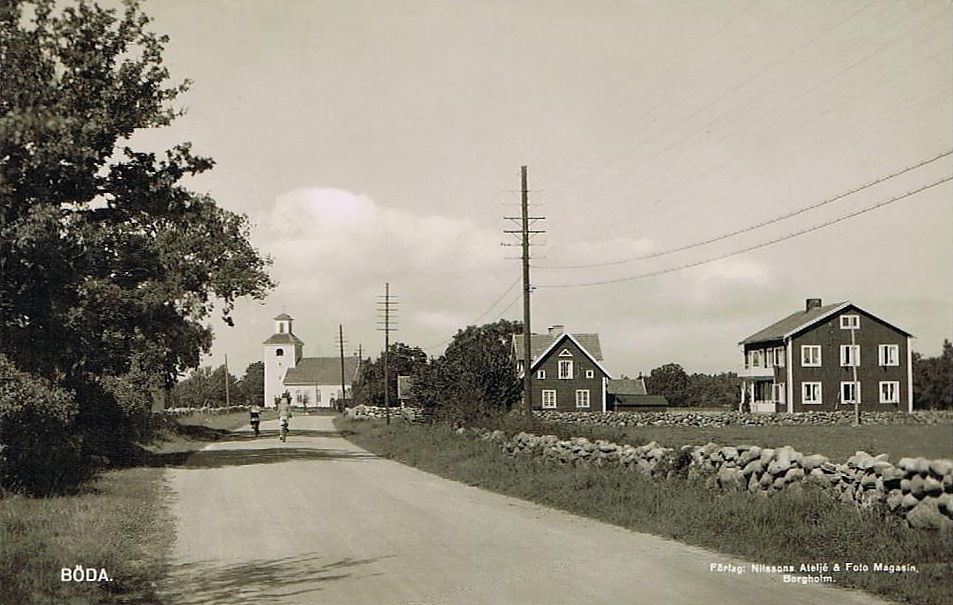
{"x":39,"y":452}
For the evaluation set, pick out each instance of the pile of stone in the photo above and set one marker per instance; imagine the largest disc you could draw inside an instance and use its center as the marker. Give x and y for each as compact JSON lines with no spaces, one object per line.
{"x":726,"y":418}
{"x":367,"y":412}
{"x":917,"y":489}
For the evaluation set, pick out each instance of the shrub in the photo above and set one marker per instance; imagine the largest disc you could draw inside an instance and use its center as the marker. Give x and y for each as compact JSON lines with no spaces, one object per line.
{"x":39,"y":452}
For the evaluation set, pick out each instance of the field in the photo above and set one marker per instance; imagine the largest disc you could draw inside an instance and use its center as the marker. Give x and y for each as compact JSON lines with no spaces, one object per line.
{"x":788,"y":528}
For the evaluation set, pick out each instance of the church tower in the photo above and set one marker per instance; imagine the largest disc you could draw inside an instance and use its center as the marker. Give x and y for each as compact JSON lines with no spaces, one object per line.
{"x":282,"y":351}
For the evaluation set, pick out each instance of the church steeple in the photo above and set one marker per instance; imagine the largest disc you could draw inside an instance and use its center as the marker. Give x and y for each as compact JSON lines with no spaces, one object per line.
{"x":282,"y":351}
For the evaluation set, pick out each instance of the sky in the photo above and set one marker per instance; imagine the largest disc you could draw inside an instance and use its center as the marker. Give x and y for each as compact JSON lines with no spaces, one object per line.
{"x":374,"y":142}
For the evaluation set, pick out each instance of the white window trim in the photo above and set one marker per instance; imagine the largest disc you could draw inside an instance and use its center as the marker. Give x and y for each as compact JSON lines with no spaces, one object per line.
{"x":552,"y":400}
{"x":804,"y":361}
{"x":540,"y":374}
{"x":854,"y":360}
{"x":590,"y":373}
{"x":852,"y":323}
{"x":882,"y":355}
{"x":777,"y":392}
{"x":565,"y":363}
{"x":820,"y":395}
{"x":857,"y":394}
{"x":587,"y":399}
{"x":779,"y":356}
{"x":896,"y":391}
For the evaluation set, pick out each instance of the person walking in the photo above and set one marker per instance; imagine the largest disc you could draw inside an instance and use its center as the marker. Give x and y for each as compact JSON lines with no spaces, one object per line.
{"x":254,"y":417}
{"x":284,"y":415}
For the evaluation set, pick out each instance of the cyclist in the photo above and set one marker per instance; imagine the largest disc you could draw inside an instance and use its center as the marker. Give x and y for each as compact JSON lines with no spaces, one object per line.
{"x":284,"y":415}
{"x":254,"y":417}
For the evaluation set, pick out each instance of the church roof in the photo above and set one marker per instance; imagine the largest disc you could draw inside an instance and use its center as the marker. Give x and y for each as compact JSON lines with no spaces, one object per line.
{"x":283,"y":338}
{"x":284,"y":316}
{"x":322,"y":370}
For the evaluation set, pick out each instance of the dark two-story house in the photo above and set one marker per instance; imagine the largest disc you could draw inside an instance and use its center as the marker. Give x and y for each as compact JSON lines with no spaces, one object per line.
{"x":827,"y":357}
{"x":567,"y":370}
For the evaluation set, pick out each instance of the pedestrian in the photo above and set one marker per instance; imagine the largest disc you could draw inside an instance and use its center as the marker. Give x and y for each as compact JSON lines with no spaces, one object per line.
{"x":254,"y":417}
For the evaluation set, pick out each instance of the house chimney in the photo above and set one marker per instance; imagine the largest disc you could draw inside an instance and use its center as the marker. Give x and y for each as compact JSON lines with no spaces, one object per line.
{"x":812,"y":303}
{"x":556,"y":330}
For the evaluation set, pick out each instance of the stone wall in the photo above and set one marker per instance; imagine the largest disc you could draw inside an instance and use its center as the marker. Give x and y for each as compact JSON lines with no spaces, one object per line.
{"x":718,"y":419}
{"x":366,"y":412}
{"x":917,"y":489}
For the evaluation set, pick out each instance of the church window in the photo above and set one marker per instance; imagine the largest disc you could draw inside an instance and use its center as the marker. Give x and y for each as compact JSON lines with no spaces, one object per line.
{"x":281,"y":328}
{"x":280,"y":353}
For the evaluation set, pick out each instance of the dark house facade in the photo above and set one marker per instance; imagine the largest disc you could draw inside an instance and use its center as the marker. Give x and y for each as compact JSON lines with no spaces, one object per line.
{"x":826,"y":358}
{"x":567,"y":372}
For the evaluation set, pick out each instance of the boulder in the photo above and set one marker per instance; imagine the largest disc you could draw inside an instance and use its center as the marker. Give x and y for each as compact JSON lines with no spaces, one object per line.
{"x":909,"y":501}
{"x":926,"y":515}
{"x":941,"y":468}
{"x":730,"y":478}
{"x":894,"y":498}
{"x":809,"y":463}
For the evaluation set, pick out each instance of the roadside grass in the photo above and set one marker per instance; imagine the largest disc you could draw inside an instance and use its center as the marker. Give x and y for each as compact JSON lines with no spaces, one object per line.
{"x":837,"y":442}
{"x":785,"y":529}
{"x":118,"y":521}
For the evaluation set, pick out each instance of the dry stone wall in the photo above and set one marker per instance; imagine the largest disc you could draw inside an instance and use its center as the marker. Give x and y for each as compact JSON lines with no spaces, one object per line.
{"x":717,"y":419}
{"x":917,"y":489}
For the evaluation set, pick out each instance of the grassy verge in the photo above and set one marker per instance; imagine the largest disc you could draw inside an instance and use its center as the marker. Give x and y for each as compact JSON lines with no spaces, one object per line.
{"x":118,"y":522}
{"x":836,"y":442}
{"x":787,"y":529}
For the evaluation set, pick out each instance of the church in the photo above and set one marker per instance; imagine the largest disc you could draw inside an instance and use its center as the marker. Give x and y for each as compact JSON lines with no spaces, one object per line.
{"x":312,"y":382}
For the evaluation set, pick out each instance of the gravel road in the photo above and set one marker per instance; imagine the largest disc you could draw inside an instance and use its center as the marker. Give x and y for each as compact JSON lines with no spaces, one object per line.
{"x":318,"y":520}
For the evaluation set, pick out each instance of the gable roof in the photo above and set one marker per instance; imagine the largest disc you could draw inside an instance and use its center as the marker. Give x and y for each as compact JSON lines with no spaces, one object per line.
{"x":283,"y":338}
{"x":555,"y":341}
{"x":539,"y":343}
{"x":625,"y":386}
{"x":322,"y":370}
{"x":796,"y":322}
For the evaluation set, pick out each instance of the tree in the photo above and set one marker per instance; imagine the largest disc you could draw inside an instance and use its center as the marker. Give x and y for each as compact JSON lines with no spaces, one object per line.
{"x":670,"y":381}
{"x":475,"y":378}
{"x":108,"y":265}
{"x":401,"y":360}
{"x":933,"y":380}
{"x":252,"y":384}
{"x":713,"y":390}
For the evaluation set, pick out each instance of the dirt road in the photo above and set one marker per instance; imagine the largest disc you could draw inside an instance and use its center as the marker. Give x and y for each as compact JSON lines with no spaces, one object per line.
{"x":318,"y":520}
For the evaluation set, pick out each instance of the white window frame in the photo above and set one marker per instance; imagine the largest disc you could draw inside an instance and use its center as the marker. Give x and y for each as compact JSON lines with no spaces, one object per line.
{"x":850,"y":356}
{"x":540,"y":374}
{"x":755,"y":358}
{"x":590,"y":373}
{"x":885,"y":358}
{"x":856,"y":398}
{"x":777,"y":392}
{"x":806,"y":351}
{"x":565,"y":369}
{"x":549,"y":399}
{"x":779,"y":356}
{"x":583,"y":399}
{"x":806,"y":387}
{"x":894,"y":386}
{"x":850,"y":322}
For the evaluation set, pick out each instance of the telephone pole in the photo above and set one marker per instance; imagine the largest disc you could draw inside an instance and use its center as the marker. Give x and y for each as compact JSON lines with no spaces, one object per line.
{"x":386,"y":307}
{"x":228,"y":401}
{"x":526,"y":233}
{"x":343,"y":404}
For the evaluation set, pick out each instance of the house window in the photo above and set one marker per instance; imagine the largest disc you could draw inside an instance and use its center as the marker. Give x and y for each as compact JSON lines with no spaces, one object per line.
{"x":850,"y":392}
{"x":582,"y":398}
{"x":541,"y":374}
{"x":779,"y":356}
{"x":849,"y":355}
{"x":565,"y":368}
{"x":810,"y":393}
{"x":777,"y":392}
{"x":549,"y":399}
{"x":889,"y":391}
{"x":317,"y":396}
{"x":811,"y":356}
{"x":279,"y":353}
{"x":889,"y":355}
{"x":590,"y":374}
{"x":769,"y":358}
{"x":850,"y":322}
{"x":754,"y":359}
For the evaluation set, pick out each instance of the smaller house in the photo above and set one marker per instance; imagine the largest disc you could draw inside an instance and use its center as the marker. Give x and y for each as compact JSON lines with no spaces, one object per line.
{"x":630,"y":395}
{"x":567,"y":370}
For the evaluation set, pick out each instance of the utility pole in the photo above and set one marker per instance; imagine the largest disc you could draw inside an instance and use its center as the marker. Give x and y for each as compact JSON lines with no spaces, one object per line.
{"x":228,"y":401}
{"x":386,"y":307}
{"x":343,"y":405}
{"x":525,"y":234}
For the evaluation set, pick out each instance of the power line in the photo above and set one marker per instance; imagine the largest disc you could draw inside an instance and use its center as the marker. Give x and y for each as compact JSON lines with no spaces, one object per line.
{"x":755,"y":247}
{"x":490,"y":308}
{"x":750,"y":228}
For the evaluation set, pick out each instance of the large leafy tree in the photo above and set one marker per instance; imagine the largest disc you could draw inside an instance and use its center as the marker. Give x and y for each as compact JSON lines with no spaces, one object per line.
{"x":671,"y":381}
{"x":475,"y":378}
{"x":933,"y":380}
{"x":108,"y":263}
{"x":401,"y":360}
